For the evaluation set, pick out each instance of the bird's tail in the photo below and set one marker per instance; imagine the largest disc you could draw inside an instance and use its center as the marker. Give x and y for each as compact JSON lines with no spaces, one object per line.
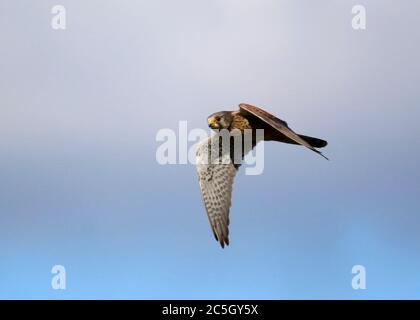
{"x":314,"y":142}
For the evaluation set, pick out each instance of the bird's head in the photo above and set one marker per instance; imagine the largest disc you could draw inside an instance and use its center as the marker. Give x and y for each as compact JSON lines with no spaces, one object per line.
{"x":220,"y":120}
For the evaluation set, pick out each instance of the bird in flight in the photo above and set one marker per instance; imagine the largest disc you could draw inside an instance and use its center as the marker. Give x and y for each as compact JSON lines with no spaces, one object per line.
{"x":216,"y":166}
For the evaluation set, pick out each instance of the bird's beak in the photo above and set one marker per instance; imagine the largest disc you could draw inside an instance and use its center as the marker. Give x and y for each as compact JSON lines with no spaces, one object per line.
{"x":213,"y":123}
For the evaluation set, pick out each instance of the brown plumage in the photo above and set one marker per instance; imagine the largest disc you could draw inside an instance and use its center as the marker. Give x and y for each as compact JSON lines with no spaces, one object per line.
{"x":216,"y":177}
{"x":275,"y":129}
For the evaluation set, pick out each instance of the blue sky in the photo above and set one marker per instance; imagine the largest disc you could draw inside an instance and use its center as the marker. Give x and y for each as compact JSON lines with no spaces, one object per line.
{"x":80,"y":186}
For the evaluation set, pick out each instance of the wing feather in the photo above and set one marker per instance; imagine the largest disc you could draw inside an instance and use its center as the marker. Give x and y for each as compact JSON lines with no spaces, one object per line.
{"x":216,"y":181}
{"x":276,"y":123}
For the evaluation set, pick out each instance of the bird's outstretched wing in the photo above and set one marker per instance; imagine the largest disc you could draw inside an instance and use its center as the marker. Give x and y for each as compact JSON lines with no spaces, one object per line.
{"x":276,"y":123}
{"x":216,"y":180}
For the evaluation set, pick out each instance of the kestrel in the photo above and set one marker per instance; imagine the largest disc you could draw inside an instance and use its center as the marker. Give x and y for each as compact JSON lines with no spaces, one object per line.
{"x":216,"y":166}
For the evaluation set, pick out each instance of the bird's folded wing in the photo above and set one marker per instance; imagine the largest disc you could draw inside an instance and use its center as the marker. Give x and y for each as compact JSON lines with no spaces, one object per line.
{"x":276,"y":123}
{"x":216,"y":182}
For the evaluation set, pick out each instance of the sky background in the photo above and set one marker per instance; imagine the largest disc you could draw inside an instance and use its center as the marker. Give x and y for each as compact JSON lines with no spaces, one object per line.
{"x":80,"y":186}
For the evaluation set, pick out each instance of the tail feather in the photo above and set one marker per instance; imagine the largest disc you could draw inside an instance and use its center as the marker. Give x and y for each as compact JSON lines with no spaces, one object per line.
{"x":314,"y":142}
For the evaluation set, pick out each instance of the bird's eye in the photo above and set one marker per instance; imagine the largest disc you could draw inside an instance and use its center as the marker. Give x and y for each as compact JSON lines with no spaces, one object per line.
{"x":217,"y":118}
